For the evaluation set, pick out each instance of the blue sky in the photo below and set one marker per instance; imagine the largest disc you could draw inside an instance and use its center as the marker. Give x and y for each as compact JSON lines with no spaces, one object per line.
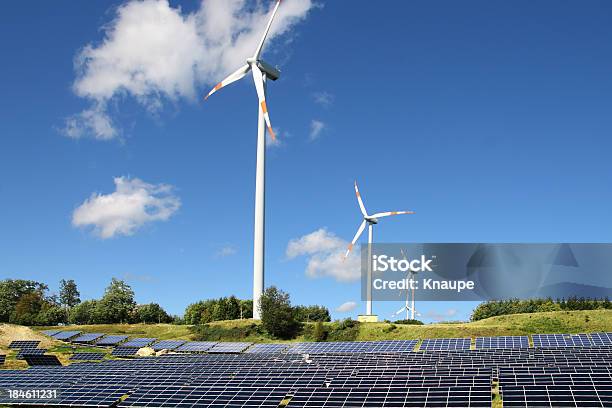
{"x":491,"y":120}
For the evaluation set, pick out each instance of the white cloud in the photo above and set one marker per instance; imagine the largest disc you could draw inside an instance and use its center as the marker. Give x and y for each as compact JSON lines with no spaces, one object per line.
{"x":227,"y":250}
{"x":316,"y":127}
{"x":133,"y":204}
{"x":323,"y":98}
{"x":154,"y":52}
{"x":325,"y":256}
{"x":346,"y":307}
{"x":440,"y":316}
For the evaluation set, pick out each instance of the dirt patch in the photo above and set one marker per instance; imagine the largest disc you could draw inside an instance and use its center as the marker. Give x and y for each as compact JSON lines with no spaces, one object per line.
{"x":10,"y":332}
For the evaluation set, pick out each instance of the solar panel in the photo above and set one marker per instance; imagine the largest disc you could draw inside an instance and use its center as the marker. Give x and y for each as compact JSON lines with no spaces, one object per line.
{"x":2,"y":359}
{"x":111,"y":340}
{"x":392,"y":397}
{"x":502,"y":342}
{"x":65,"y":335}
{"x":267,"y":348}
{"x":167,"y":344}
{"x":556,"y":396}
{"x":561,"y":340}
{"x":124,"y":351}
{"x":87,"y":338}
{"x":139,"y":342}
{"x":446,"y":344}
{"x":50,"y":332}
{"x":195,"y":346}
{"x":90,"y":356}
{"x":386,"y":346}
{"x":601,"y":339}
{"x":188,"y":396}
{"x":42,"y":360}
{"x":30,"y":351}
{"x":17,"y":344}
{"x":229,"y":347}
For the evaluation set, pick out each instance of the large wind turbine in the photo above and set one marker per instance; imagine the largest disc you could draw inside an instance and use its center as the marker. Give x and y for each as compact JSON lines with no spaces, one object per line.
{"x":261,"y":71}
{"x":370,"y":220}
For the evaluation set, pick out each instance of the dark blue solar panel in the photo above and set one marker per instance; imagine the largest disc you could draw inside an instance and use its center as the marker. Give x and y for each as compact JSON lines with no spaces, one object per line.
{"x":111,"y":340}
{"x":66,"y":335}
{"x":87,"y":338}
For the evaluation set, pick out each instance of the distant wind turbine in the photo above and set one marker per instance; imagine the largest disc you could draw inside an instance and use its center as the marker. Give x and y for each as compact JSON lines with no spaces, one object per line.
{"x":261,"y":71}
{"x":370,"y":220}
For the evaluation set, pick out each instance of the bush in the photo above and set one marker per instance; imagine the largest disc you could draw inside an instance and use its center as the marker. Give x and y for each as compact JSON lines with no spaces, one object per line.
{"x":344,"y":330}
{"x":313,"y":314}
{"x":278,"y":318}
{"x":319,"y":332}
{"x":409,"y":321}
{"x":210,"y":332}
{"x":512,"y":306}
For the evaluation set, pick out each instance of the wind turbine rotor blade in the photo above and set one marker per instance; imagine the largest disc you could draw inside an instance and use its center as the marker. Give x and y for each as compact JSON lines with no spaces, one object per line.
{"x":399,"y":311}
{"x":360,"y":201}
{"x":263,"y":38}
{"x":261,"y":93}
{"x":352,"y":244}
{"x":388,"y":213}
{"x":233,"y":77}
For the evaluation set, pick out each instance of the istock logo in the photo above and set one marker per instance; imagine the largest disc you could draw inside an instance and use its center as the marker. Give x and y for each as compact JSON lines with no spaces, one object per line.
{"x":384,"y":263}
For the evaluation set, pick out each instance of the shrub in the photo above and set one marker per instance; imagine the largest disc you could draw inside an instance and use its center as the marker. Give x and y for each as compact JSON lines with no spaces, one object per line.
{"x":278,"y":318}
{"x":409,"y":321}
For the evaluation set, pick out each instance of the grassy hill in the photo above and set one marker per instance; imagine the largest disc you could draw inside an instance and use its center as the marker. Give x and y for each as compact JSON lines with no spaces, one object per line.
{"x":247,"y":330}
{"x":584,"y":321}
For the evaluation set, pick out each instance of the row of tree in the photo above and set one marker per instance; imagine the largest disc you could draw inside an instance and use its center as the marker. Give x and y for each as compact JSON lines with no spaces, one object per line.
{"x":28,"y":303}
{"x":512,"y":306}
{"x":232,"y":308}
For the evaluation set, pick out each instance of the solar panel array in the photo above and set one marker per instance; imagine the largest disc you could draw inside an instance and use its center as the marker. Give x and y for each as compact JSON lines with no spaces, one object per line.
{"x":335,"y":374}
{"x":230,"y":347}
{"x":111,"y":340}
{"x":502,"y":342}
{"x":139,"y":342}
{"x":601,"y":339}
{"x":32,"y":351}
{"x":124,"y":351}
{"x":446,"y":344}
{"x":561,"y":340}
{"x":2,"y":359}
{"x":18,"y":344}
{"x":87,"y":338}
{"x":87,"y":356}
{"x":388,"y":346}
{"x":167,"y":344}
{"x":50,"y":332}
{"x":267,"y":348}
{"x":195,"y":347}
{"x":66,"y":335}
{"x":42,"y":360}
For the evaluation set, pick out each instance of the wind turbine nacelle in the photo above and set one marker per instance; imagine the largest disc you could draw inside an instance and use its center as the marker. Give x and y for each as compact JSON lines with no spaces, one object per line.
{"x":271,"y":72}
{"x":372,"y":220}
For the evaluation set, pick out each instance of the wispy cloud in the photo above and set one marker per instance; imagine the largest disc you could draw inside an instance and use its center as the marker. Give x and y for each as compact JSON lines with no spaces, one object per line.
{"x":323,"y":98}
{"x":226,"y":250}
{"x":156,"y":53}
{"x":325,"y":256}
{"x":316,"y":127}
{"x":346,"y":307}
{"x":132,"y":205}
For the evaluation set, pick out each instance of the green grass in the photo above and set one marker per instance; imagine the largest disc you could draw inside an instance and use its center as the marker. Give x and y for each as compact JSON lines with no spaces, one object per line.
{"x":247,"y":330}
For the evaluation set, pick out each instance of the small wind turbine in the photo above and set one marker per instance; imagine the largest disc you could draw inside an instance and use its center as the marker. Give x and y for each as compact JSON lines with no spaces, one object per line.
{"x":407,"y":309}
{"x":370,"y":220}
{"x":261,"y":71}
{"x":411,"y":276}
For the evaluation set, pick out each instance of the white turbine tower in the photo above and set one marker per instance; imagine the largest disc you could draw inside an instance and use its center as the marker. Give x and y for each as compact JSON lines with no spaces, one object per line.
{"x":370,"y":220}
{"x":411,"y":276}
{"x":261,"y":71}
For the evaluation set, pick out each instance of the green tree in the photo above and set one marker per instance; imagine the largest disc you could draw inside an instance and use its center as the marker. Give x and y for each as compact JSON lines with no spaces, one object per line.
{"x":83,"y":313}
{"x":277,"y":316}
{"x":313,"y":314}
{"x":117,"y":305}
{"x":27,"y":309}
{"x":69,"y":294}
{"x":12,"y":290}
{"x":151,"y":313}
